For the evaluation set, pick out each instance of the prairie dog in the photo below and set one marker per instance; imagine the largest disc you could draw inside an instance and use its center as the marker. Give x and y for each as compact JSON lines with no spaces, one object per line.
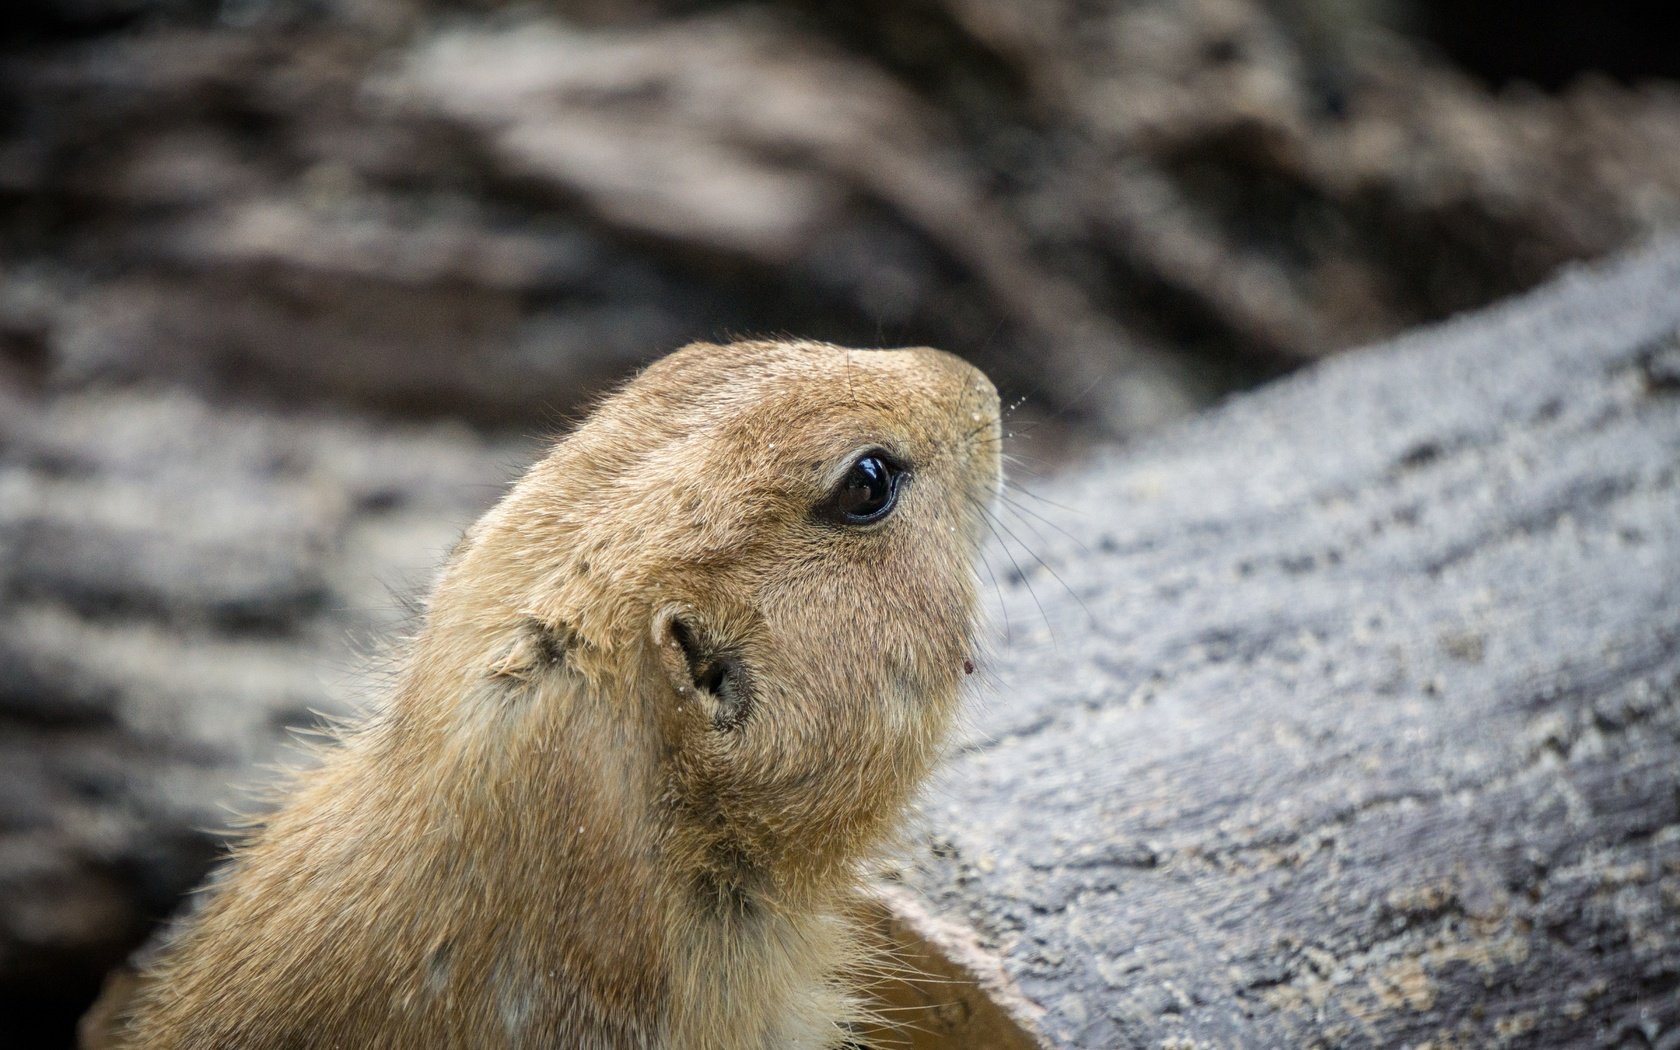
{"x":669,"y":694}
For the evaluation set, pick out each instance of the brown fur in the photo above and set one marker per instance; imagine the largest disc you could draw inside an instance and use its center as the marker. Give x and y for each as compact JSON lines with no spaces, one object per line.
{"x":553,"y":833}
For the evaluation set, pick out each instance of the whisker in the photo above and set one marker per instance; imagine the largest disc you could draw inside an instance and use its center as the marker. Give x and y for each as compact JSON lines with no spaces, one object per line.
{"x":1031,"y":394}
{"x":986,"y":515}
{"x":1020,"y":426}
{"x":1018,"y":509}
{"x":980,"y":427}
{"x":1047,"y":567}
{"x":905,"y":974}
{"x":1017,"y":467}
{"x":1020,"y":455}
{"x":1023,"y":490}
{"x":1029,"y":526}
{"x":1003,"y":606}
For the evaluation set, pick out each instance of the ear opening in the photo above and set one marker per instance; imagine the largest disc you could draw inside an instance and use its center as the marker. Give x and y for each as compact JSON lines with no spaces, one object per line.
{"x":724,"y":678}
{"x":711,"y":677}
{"x":698,"y":670}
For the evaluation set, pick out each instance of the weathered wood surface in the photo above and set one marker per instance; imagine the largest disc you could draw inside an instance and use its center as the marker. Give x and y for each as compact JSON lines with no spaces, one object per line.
{"x":1357,"y":722}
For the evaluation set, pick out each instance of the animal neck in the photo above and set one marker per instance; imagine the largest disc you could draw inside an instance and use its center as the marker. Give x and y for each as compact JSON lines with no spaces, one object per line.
{"x":749,"y":971}
{"x":599,"y":882}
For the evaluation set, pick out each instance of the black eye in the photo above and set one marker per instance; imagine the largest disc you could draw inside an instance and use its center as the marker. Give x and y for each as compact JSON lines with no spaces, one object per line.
{"x":867,"y":493}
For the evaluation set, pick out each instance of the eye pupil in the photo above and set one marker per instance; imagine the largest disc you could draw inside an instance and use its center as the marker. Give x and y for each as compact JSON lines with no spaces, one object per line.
{"x":867,"y":492}
{"x":867,"y":487}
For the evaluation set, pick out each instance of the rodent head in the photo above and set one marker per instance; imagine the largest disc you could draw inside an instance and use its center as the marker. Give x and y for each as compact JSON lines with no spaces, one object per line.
{"x":763,"y":551}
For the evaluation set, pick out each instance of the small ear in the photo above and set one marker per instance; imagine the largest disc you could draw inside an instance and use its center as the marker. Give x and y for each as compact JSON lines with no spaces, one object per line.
{"x":674,"y":641}
{"x":536,"y":647}
{"x":716,"y":682}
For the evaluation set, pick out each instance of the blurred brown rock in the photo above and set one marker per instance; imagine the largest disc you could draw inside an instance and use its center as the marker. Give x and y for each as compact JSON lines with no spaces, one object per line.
{"x":444,"y":208}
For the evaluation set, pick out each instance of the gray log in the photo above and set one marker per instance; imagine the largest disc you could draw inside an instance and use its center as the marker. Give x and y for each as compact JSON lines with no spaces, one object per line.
{"x":1352,"y":714}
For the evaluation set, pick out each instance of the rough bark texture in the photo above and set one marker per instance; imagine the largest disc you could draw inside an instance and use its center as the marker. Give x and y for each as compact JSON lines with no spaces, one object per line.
{"x":1352,"y":714}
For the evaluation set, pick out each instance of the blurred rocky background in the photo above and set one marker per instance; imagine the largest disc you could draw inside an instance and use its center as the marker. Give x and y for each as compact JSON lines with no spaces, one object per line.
{"x":290,"y":288}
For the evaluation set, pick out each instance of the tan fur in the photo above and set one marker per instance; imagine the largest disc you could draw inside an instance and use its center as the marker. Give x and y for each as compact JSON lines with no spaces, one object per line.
{"x":549,"y":835}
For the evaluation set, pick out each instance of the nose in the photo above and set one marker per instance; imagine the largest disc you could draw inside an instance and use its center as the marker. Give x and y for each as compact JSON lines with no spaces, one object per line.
{"x":979,"y":415}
